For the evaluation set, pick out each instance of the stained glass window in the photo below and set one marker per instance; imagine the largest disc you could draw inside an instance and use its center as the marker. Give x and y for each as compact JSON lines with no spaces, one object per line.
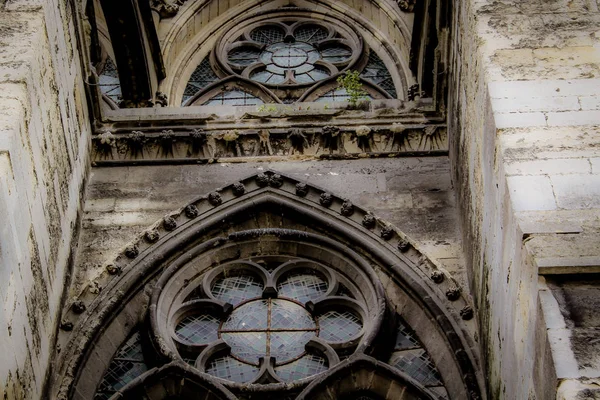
{"x":202,"y":76}
{"x":405,"y":338}
{"x":231,"y":369}
{"x":127,"y":364}
{"x":286,"y":57}
{"x":108,"y":80}
{"x":270,"y":327}
{"x":234,"y":98}
{"x":417,"y":364}
{"x":339,"y":326}
{"x":377,"y":73}
{"x":198,"y":329}
{"x":267,"y":34}
{"x":302,"y":286}
{"x":302,"y":368}
{"x":235,"y":289}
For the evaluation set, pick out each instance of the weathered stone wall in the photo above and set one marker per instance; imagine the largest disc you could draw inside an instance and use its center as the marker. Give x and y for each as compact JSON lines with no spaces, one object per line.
{"x":44,"y":146}
{"x":414,"y":194}
{"x":525,"y":135}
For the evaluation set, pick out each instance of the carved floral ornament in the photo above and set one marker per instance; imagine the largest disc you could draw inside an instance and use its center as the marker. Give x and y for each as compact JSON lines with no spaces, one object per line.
{"x":269,"y":311}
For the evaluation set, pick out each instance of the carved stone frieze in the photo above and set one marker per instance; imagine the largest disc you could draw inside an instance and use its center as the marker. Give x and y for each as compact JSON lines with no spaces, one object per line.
{"x":195,"y":145}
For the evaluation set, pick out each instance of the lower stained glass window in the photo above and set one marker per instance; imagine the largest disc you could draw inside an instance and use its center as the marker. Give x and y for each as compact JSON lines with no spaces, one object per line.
{"x":127,"y":364}
{"x":234,"y":98}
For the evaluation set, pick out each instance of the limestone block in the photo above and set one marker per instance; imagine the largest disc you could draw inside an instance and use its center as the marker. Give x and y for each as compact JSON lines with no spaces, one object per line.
{"x":577,"y":191}
{"x":559,"y":166}
{"x":531,"y":193}
{"x":573,"y":118}
{"x":519,"y":119}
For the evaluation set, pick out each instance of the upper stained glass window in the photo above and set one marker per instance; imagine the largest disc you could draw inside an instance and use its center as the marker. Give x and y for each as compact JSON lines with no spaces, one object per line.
{"x":108,"y":80}
{"x":288,"y":59}
{"x":202,"y":76}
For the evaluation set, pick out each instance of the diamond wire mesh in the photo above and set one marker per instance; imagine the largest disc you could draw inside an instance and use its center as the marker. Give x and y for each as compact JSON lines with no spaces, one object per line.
{"x":267,"y":34}
{"x":338,"y":326}
{"x":302,"y":287}
{"x":376,"y":72}
{"x":231,"y":369}
{"x":127,"y":364}
{"x":417,"y":364}
{"x":304,"y":367}
{"x":234,"y":98}
{"x":235,"y":289}
{"x":202,"y":76}
{"x":310,"y":33}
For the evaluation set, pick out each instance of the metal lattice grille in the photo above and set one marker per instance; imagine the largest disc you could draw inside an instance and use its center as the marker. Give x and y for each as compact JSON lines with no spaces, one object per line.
{"x":231,"y":369}
{"x":303,"y":368}
{"x":336,"y":326}
{"x":202,"y":76}
{"x":235,"y":289}
{"x":234,"y":98}
{"x":267,"y":34}
{"x":377,"y":73}
{"x":127,"y":364}
{"x":302,"y":287}
{"x":405,"y":338}
{"x":198,"y":329}
{"x":417,"y":364}
{"x":108,"y":81}
{"x":311,"y":33}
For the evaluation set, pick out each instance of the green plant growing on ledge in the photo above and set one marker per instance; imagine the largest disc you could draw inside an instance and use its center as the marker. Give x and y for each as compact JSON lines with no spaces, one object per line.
{"x":350,"y":81}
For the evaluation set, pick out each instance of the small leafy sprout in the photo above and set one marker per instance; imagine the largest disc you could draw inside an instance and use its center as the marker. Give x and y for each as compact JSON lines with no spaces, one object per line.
{"x":350,"y":81}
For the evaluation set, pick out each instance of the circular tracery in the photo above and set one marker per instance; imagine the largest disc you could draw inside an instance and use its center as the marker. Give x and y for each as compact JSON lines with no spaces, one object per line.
{"x":281,"y":316}
{"x":294,"y":52}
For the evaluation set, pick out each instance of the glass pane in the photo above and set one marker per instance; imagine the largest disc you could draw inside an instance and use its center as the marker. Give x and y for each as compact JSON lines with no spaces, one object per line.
{"x":231,"y":369}
{"x":235,"y":289}
{"x":417,"y":364}
{"x":108,"y":81}
{"x":286,"y":346}
{"x":310,"y":33}
{"x":405,"y":338}
{"x":243,"y":56}
{"x":302,"y":286}
{"x":308,"y":365}
{"x":198,"y":329}
{"x":288,"y":315}
{"x":267,"y":34}
{"x":202,"y":76}
{"x":338,"y":94}
{"x":336,"y":54}
{"x":248,"y":347}
{"x":336,"y":326}
{"x":250,"y":316}
{"x":377,"y":73}
{"x":127,"y":364}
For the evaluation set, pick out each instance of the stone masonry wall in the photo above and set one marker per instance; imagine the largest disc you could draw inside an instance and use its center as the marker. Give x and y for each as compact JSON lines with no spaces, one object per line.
{"x":414,"y":194}
{"x":44,"y":145}
{"x":525,"y":154}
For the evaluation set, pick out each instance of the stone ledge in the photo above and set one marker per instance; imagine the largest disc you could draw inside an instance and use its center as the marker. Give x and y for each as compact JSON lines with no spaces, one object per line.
{"x":568,"y":265}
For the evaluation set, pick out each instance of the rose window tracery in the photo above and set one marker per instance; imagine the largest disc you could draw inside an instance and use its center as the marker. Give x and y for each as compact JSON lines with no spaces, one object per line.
{"x":286,"y":59}
{"x":247,"y":323}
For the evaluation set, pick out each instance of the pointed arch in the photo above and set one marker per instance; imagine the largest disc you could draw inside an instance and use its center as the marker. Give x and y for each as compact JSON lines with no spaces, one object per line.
{"x":186,"y":52}
{"x":251,"y":213}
